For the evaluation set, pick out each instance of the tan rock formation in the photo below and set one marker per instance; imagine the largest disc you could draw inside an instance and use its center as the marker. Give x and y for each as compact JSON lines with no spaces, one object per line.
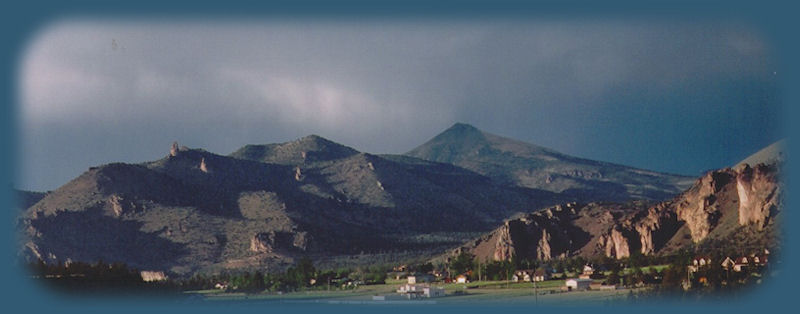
{"x":150,"y":275}
{"x":616,"y":245}
{"x":262,"y":242}
{"x":203,"y":165}
{"x":504,"y":248}
{"x":543,"y":251}
{"x":758,"y":194}
{"x":698,"y":207}
{"x":173,"y":151}
{"x":301,"y":240}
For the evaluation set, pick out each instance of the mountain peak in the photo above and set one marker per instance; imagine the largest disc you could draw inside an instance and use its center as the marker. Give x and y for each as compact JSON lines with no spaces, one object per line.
{"x":308,"y":148}
{"x":314,"y":138}
{"x":463,"y":129}
{"x":510,"y":161}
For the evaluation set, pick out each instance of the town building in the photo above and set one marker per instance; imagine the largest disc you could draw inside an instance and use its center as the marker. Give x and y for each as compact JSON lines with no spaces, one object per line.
{"x":420,"y":278}
{"x":522,"y":275}
{"x":541,"y":274}
{"x":413,"y":291}
{"x":578,"y":284}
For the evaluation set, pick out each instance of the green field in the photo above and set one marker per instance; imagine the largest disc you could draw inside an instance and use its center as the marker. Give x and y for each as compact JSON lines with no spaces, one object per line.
{"x":489,"y":292}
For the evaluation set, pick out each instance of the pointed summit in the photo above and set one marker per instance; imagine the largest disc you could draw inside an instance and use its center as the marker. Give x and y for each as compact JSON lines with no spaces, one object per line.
{"x":509,"y":161}
{"x":450,"y":145}
{"x":462,"y":128}
{"x":310,"y":148}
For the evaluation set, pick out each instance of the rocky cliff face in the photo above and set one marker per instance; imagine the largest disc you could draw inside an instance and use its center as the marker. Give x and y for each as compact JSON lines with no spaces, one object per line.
{"x":721,"y":204}
{"x":759,"y":197}
{"x":615,"y":244}
{"x":699,"y":207}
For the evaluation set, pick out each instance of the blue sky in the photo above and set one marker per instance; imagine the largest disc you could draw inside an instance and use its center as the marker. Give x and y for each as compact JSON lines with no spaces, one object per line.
{"x":678,"y":97}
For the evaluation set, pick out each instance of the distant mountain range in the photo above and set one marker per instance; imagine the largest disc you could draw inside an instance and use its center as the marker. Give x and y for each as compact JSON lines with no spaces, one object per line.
{"x":265,"y":205}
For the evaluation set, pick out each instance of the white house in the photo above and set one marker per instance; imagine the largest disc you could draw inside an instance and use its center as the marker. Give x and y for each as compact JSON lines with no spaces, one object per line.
{"x":578,"y":284}
{"x":522,"y":275}
{"x":541,"y":274}
{"x":418,"y":291}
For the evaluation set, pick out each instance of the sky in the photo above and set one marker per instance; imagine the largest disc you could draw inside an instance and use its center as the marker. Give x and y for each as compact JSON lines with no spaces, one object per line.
{"x":681,"y":97}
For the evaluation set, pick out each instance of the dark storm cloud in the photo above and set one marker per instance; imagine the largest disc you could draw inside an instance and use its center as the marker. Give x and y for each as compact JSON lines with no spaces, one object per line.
{"x":95,"y":92}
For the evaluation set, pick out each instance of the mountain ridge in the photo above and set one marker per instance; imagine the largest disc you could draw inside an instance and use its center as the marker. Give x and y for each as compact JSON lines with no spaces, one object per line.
{"x":208,"y":212}
{"x":263,"y":206}
{"x":514,"y":162}
{"x":737,"y":207}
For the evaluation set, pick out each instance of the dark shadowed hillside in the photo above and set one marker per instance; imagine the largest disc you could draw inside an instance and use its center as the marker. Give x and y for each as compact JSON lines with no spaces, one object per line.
{"x":197,"y":211}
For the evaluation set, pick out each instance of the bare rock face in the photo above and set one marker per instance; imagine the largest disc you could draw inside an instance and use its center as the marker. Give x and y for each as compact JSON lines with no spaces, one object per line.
{"x":173,"y":151}
{"x":504,"y":248}
{"x":119,"y":205}
{"x":713,"y":210}
{"x":615,"y":243}
{"x":279,"y":241}
{"x":699,"y":208}
{"x":656,"y":227}
{"x":301,"y":240}
{"x":543,"y":250}
{"x":203,"y":166}
{"x":262,"y":242}
{"x":758,"y":194}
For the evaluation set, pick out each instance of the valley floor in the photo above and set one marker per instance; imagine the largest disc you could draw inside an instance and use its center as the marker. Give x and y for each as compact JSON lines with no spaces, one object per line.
{"x":500,"y":293}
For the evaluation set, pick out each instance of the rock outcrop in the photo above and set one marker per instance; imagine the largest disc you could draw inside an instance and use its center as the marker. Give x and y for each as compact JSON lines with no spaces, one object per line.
{"x":615,"y":244}
{"x":655,"y":227}
{"x":759,"y":196}
{"x":699,"y":208}
{"x":277,"y":241}
{"x":715,"y":208}
{"x":543,"y":250}
{"x":504,"y":246}
{"x":173,"y":150}
{"x":203,"y":166}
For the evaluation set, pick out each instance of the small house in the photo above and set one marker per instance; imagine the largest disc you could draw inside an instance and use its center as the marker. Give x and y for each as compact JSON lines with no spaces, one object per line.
{"x":541,"y":274}
{"x":741,"y":263}
{"x":578,"y":284}
{"x":412,"y":291}
{"x":760,"y":260}
{"x":701,"y":261}
{"x":698,"y":263}
{"x":588,"y":269}
{"x":728,"y":263}
{"x":522,"y":275}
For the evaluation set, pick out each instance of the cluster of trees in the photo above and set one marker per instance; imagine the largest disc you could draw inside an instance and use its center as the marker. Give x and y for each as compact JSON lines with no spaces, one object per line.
{"x":302,"y":276}
{"x":626,"y":271}
{"x":98,"y":277}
